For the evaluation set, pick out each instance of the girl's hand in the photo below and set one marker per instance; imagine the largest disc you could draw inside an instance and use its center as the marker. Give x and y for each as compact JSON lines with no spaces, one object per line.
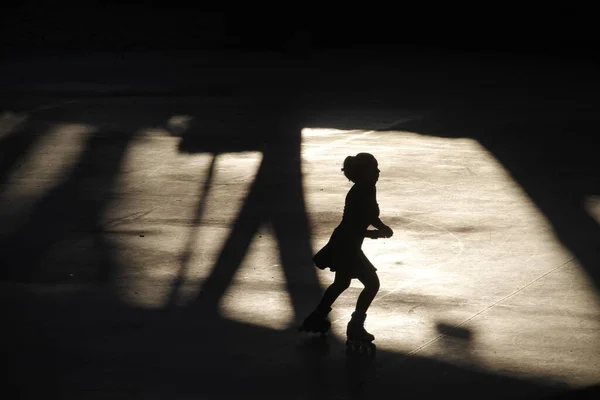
{"x":386,"y":231}
{"x":377,"y":234}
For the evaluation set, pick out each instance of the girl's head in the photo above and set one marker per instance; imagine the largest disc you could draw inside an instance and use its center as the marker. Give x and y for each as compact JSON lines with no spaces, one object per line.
{"x":361,"y":168}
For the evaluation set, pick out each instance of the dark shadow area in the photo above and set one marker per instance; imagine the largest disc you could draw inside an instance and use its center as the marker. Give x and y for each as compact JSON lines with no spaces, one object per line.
{"x":313,"y":350}
{"x":566,"y":30}
{"x":85,"y":345}
{"x":361,"y":370}
{"x":586,"y":393}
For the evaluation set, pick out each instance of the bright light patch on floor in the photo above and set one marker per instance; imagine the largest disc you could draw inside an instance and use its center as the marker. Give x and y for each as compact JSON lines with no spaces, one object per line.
{"x":316,"y":132}
{"x":203,"y":242}
{"x":258,"y":294}
{"x":190,"y":203}
{"x":153,"y":220}
{"x":470,"y":248}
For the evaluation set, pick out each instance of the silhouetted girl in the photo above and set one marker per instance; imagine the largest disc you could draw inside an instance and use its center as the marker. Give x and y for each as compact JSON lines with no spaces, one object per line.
{"x":343,"y":253}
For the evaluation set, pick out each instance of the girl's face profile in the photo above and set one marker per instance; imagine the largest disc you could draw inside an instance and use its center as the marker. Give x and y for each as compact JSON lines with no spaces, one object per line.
{"x":371,"y":173}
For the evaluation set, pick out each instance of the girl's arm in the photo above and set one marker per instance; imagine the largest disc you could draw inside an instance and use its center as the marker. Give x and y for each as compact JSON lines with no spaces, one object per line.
{"x":377,"y":223}
{"x":382,"y":229}
{"x":379,"y":233}
{"x":372,"y":234}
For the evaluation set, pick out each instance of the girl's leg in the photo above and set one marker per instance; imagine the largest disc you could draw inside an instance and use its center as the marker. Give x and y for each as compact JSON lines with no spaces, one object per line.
{"x":340,"y":283}
{"x":370,"y":280}
{"x":356,"y":330}
{"x":317,"y":321}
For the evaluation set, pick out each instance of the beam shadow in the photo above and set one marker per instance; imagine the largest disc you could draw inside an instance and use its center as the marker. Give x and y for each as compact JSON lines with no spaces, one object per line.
{"x":68,"y":212}
{"x":276,"y":196}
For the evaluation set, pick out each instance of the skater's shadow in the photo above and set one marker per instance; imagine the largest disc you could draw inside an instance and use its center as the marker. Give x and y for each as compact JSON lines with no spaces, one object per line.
{"x":361,"y":370}
{"x":314,"y":350}
{"x":314,"y":346}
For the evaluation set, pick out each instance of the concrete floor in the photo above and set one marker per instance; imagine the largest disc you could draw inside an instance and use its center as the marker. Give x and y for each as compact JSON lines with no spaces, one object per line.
{"x":156,"y":241}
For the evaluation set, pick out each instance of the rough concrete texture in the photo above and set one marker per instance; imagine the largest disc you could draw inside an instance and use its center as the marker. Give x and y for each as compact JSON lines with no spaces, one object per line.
{"x":156,"y":234}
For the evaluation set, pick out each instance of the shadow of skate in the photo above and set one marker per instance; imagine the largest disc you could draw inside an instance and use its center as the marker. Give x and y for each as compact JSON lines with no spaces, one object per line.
{"x":361,"y":370}
{"x":314,"y":346}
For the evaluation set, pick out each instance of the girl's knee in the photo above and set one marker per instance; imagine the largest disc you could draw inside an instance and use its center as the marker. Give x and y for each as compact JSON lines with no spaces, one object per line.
{"x":373,"y":286}
{"x":377,"y":284}
{"x":341,"y":283}
{"x":372,"y":283}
